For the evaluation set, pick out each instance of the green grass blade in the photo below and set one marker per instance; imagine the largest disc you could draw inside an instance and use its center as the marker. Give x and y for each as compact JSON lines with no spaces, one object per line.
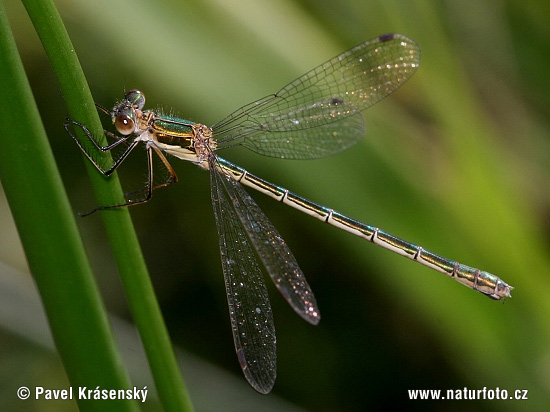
{"x":52,"y":244}
{"x":130,"y":262}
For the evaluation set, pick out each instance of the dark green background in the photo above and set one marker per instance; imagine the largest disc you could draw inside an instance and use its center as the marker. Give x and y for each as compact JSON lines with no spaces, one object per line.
{"x":457,"y":161}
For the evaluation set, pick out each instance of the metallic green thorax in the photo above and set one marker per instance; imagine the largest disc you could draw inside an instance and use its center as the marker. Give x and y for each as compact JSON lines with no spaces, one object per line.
{"x":171,"y":130}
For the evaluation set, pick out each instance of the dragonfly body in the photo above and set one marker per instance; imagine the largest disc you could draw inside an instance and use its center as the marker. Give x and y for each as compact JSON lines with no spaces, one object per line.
{"x":192,"y":141}
{"x":316,"y":115}
{"x":476,"y":279}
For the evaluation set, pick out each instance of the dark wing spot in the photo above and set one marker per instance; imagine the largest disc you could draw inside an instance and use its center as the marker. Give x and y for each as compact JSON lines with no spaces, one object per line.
{"x":385,"y":37}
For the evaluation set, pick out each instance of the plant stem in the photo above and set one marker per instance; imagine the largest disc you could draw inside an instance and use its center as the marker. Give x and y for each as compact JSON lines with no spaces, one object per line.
{"x":120,"y":231}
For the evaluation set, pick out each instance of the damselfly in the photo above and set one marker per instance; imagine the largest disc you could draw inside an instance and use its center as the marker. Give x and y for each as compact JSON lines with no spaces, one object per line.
{"x":318,"y":114}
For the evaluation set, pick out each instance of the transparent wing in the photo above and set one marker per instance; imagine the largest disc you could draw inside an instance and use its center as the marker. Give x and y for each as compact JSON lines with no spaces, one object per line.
{"x":280,"y":263}
{"x":242,"y":226}
{"x":338,"y":89}
{"x":249,"y":308}
{"x":324,"y":140}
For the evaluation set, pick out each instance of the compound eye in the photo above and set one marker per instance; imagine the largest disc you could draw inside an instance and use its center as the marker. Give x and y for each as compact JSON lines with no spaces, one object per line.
{"x":135,"y":98}
{"x":124,"y":124}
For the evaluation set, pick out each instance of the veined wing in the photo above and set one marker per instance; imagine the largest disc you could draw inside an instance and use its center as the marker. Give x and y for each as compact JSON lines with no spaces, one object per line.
{"x":314,"y":104}
{"x":280,"y":263}
{"x":249,"y":309}
{"x":241,"y":224}
{"x":325,"y":140}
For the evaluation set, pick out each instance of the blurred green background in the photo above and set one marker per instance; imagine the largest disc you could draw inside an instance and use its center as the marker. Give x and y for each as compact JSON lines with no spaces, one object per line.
{"x":457,"y":161}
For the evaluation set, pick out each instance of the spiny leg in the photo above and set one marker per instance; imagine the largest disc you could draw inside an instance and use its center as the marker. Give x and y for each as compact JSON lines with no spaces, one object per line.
{"x":150,"y":186}
{"x":118,"y":140}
